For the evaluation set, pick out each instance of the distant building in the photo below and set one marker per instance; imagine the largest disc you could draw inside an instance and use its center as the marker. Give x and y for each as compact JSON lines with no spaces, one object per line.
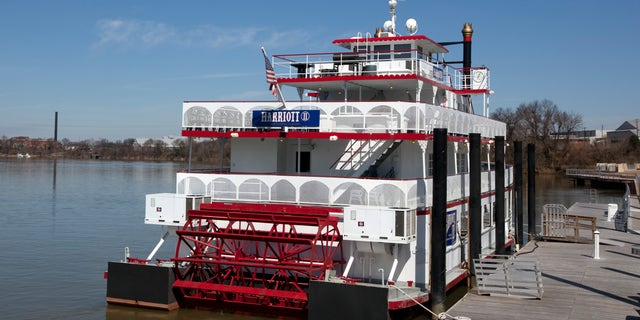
{"x":591,"y":136}
{"x":22,"y":142}
{"x":625,"y":131}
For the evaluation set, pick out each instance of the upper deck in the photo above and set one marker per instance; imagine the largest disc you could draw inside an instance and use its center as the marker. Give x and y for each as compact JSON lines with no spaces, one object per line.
{"x":397,"y":65}
{"x":387,"y":119}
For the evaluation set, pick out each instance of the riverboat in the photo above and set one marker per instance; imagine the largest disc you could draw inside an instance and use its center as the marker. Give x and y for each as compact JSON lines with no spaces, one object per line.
{"x":329,"y":206}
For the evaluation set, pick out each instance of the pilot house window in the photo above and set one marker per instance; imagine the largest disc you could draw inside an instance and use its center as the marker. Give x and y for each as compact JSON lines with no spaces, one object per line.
{"x":382,"y":52}
{"x":402,"y":51}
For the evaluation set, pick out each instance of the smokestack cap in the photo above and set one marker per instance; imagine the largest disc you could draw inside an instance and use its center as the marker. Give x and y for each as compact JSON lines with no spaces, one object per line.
{"x":467,"y":30}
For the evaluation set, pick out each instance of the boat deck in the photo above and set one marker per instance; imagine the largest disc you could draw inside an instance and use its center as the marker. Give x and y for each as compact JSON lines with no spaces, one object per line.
{"x":576,"y":286}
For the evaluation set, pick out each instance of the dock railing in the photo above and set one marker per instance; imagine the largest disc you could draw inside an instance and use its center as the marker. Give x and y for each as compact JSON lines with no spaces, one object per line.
{"x":577,"y":223}
{"x":560,"y":226}
{"x":598,"y":174}
{"x":622,"y":216}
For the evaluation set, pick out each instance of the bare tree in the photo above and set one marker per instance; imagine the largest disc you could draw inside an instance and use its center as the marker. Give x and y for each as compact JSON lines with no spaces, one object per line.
{"x":543,"y":124}
{"x":509,"y":117}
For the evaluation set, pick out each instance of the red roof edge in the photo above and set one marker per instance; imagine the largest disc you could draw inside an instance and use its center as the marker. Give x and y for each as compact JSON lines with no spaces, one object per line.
{"x":387,"y":39}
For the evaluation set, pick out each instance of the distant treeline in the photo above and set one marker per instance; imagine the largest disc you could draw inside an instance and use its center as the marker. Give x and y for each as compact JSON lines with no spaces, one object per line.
{"x":210,"y":151}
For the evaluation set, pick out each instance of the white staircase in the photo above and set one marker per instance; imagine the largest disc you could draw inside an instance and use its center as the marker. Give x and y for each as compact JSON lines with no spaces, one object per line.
{"x":358,"y":156}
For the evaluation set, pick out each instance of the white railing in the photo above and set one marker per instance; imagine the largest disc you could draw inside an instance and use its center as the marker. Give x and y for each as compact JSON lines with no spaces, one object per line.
{"x":554,"y":218}
{"x":377,"y":116}
{"x":320,"y":190}
{"x":316,"y":65}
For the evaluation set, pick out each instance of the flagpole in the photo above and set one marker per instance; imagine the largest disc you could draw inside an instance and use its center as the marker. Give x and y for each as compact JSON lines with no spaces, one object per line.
{"x":280,"y":96}
{"x":269,"y":68}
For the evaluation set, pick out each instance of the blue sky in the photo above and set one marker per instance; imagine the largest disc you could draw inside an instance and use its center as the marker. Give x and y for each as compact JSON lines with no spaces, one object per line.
{"x":121,"y":69}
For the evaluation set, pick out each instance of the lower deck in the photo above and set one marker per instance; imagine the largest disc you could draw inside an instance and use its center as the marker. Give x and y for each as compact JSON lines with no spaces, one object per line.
{"x":328,"y":190}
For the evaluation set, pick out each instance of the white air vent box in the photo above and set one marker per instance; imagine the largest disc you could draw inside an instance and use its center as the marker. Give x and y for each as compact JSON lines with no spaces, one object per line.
{"x":391,"y":225}
{"x":170,"y":209}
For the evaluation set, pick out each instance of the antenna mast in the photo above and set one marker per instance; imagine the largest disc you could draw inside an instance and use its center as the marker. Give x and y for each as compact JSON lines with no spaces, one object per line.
{"x":392,"y":9}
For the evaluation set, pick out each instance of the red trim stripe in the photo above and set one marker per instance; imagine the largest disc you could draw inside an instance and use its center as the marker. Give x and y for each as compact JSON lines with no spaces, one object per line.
{"x":320,"y":135}
{"x":350,"y":78}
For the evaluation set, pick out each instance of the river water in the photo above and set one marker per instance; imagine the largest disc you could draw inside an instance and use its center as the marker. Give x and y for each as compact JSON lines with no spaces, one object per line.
{"x":61,"y":222}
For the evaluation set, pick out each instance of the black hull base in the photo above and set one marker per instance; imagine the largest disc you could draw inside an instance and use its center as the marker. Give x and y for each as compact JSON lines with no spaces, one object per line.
{"x":331,"y":300}
{"x":141,"y":286}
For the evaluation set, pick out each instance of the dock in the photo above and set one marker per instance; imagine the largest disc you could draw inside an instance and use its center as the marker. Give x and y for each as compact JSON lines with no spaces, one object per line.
{"x":576,"y":286}
{"x":598,"y":177}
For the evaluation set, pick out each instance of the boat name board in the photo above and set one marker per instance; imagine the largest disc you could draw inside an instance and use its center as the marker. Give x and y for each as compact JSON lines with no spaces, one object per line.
{"x":286,"y":118}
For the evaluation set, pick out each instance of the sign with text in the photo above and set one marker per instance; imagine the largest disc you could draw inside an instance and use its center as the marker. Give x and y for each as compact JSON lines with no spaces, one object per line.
{"x":452,"y":227}
{"x":286,"y":118}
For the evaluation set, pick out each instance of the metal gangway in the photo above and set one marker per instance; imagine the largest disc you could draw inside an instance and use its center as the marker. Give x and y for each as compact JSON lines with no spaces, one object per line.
{"x":508,"y":276}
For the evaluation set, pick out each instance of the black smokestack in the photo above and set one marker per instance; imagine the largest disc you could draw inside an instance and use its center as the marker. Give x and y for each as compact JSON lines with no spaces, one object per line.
{"x":55,"y":128}
{"x":467,"y":33}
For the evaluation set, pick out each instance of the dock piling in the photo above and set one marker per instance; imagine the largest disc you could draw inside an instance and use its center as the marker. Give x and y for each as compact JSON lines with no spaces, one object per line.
{"x":475,"y":212}
{"x":531,"y":189}
{"x":519,"y":200}
{"x":500,"y":205}
{"x":438,"y":215}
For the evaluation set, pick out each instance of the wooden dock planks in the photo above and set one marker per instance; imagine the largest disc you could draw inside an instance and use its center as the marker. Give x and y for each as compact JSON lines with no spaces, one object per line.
{"x":576,"y":286}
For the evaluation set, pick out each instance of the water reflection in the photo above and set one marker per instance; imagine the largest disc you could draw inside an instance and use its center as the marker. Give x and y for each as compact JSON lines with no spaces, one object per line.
{"x":558,"y":189}
{"x":53,"y":188}
{"x":562,"y":190}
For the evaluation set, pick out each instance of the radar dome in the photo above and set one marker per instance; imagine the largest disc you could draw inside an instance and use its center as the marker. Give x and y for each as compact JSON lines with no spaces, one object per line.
{"x":412,"y":25}
{"x":388,"y":25}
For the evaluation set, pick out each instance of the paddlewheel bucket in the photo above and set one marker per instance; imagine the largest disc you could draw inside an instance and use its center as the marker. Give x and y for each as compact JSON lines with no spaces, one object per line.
{"x":255,"y":254}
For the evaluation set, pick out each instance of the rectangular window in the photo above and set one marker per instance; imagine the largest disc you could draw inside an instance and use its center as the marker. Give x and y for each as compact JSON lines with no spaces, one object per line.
{"x":360,"y":48}
{"x":304,"y":162}
{"x":402,"y":51}
{"x":382,"y":52}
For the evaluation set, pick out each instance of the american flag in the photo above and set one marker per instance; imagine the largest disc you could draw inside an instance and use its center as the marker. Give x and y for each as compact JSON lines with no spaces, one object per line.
{"x":271,"y":75}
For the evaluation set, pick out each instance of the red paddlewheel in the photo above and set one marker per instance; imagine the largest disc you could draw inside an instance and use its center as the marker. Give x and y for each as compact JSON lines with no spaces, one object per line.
{"x":256,"y":254}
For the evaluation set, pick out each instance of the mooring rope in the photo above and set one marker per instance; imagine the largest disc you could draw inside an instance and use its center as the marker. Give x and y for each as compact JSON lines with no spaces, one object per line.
{"x":441,"y":316}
